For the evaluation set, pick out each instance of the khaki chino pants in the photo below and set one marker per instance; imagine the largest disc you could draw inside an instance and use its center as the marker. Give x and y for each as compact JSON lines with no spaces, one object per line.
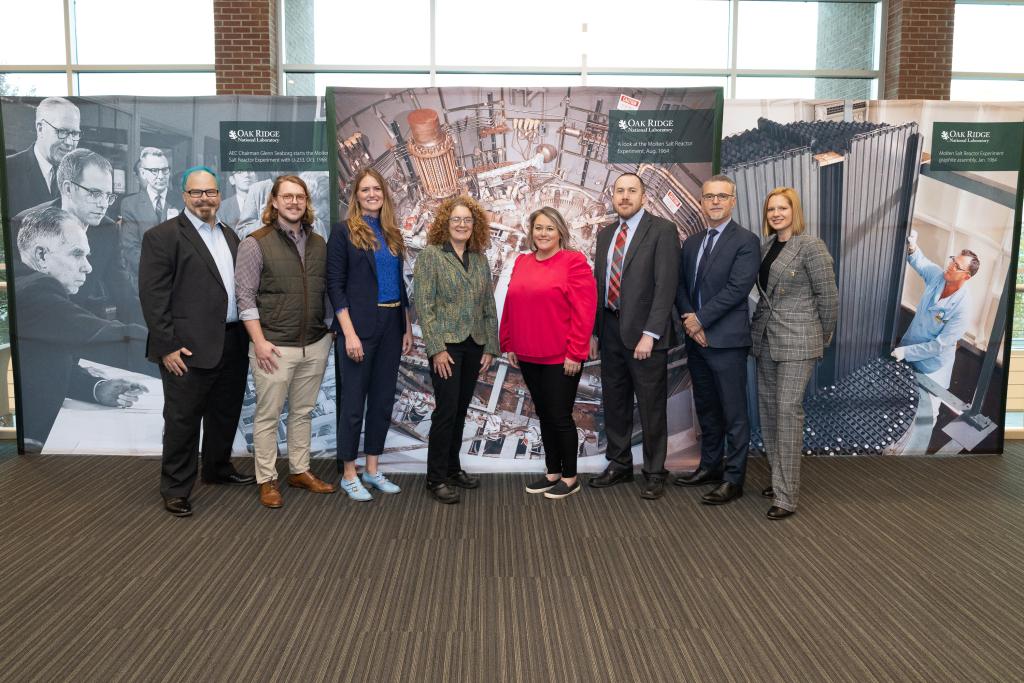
{"x":299,"y":374}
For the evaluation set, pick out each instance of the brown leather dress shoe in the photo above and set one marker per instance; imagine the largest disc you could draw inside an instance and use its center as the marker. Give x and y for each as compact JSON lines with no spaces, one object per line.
{"x":270,"y":496}
{"x":307,"y":480}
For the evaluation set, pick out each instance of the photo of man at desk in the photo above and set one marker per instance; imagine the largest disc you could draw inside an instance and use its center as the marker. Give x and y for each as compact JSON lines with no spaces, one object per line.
{"x":55,"y":331}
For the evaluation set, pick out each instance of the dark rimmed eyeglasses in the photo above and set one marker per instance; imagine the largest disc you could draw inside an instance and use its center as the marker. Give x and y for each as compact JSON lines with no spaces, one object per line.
{"x":157,"y":171}
{"x":64,"y":133}
{"x":196,"y":194}
{"x":721,"y":196}
{"x":95,"y":195}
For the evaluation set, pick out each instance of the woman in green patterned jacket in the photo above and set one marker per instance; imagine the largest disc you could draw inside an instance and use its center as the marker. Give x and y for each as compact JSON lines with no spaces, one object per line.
{"x":454,"y":301}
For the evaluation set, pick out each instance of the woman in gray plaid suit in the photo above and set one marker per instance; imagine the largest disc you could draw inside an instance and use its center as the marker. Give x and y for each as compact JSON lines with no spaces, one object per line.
{"x":794,"y":321}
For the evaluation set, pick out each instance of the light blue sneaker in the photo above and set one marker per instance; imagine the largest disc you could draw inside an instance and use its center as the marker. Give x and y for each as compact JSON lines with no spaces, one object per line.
{"x":380,"y":482}
{"x":355,"y":489}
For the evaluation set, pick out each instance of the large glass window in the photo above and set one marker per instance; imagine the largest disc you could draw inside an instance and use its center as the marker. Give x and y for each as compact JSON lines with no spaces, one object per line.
{"x":101,"y":47}
{"x":988,"y":63}
{"x":826,"y":49}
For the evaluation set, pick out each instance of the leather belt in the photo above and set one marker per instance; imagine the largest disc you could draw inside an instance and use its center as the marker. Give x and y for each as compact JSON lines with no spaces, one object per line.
{"x":389,"y":304}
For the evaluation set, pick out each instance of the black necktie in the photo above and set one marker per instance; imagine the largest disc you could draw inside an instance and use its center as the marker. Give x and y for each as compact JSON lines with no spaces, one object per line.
{"x":158,"y":206}
{"x":711,"y":235}
{"x":54,"y":191}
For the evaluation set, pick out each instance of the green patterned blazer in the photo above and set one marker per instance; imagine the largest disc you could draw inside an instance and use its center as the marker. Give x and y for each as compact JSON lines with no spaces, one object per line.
{"x":452,"y":302}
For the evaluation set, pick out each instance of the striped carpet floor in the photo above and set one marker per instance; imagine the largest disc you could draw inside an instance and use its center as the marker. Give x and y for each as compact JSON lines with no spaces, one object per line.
{"x":893,"y":570}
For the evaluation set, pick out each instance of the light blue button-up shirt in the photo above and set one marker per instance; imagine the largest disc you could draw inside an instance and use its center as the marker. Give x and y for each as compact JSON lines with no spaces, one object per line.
{"x":215,"y":241}
{"x":938,"y":324}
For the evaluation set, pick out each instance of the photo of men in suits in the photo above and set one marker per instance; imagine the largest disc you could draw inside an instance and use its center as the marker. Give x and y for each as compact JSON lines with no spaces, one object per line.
{"x":717,"y":269}
{"x":85,"y":180}
{"x":230,"y":211}
{"x":32,"y":173}
{"x":142,"y":210}
{"x":54,"y":330}
{"x":636,"y":266}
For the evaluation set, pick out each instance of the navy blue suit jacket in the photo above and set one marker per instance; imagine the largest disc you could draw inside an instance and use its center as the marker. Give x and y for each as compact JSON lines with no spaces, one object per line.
{"x":726,"y":281}
{"x":352,"y":282}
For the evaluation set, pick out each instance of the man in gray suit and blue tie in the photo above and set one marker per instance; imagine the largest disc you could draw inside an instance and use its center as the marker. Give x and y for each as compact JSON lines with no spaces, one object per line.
{"x":717,"y":269}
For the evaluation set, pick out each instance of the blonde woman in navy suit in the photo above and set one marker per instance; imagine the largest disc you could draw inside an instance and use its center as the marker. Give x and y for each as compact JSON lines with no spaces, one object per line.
{"x":366,"y":286}
{"x":794,"y":322}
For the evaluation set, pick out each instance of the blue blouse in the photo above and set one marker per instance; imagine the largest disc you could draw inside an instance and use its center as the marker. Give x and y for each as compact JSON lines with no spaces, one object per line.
{"x":389,"y":267}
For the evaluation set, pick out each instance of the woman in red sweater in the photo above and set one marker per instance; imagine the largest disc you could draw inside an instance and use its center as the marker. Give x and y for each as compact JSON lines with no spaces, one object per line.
{"x":545,"y":330}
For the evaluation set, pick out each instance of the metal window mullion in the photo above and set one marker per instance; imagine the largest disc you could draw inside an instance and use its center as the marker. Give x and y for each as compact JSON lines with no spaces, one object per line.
{"x":734,"y":21}
{"x":433,"y":42}
{"x":68,"y":72}
{"x":987,"y":75}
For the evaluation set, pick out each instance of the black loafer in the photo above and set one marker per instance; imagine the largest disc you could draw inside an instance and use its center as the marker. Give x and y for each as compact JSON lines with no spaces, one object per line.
{"x":464,"y":480}
{"x":768,"y":492}
{"x":653,"y":488}
{"x":726,"y":492}
{"x":611,"y":477}
{"x":443,"y":493}
{"x":179,"y":507}
{"x":775,"y":512}
{"x":233,"y":479}
{"x":699,"y":477}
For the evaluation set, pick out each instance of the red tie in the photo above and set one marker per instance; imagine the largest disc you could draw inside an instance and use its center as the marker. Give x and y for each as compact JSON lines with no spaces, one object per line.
{"x":615,"y":279}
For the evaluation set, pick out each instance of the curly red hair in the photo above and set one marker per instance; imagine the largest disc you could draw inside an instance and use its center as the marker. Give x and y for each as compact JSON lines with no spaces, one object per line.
{"x":438,"y":231}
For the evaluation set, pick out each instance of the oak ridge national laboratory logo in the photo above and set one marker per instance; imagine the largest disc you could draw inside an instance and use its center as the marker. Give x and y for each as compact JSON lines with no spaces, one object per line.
{"x":249,"y":135}
{"x":965,"y":136}
{"x":647,"y":125}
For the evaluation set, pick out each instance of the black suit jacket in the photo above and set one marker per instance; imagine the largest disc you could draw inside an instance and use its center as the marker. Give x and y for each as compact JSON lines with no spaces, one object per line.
{"x":352,"y":282}
{"x":727,"y":278}
{"x":183,"y":297}
{"x":138,"y":216}
{"x":26,"y":185}
{"x":54,"y":333}
{"x":650,"y":272}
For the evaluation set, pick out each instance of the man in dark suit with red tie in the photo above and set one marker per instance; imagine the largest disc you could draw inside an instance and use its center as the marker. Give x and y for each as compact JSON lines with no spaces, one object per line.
{"x":187,"y":289}
{"x":636,"y":268}
{"x":32,"y":173}
{"x":717,"y":269}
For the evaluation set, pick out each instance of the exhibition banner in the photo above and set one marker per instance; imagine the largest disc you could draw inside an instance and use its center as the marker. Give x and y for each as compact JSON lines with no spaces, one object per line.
{"x":517,"y":150}
{"x":918,"y":364}
{"x":77,"y":329}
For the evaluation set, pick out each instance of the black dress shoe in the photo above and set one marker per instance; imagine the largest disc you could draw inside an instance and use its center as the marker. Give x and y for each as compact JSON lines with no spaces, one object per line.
{"x":724,"y":493}
{"x":775,"y":512}
{"x":179,"y":507}
{"x":464,"y":480}
{"x":699,"y":477}
{"x":611,"y":477}
{"x":768,"y":492}
{"x":653,"y":489}
{"x":232,"y":479}
{"x":443,"y":493}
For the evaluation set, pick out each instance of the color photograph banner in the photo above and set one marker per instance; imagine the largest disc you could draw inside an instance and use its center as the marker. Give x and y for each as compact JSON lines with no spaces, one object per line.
{"x":918,"y":362}
{"x":113,"y":165}
{"x":516,"y":150}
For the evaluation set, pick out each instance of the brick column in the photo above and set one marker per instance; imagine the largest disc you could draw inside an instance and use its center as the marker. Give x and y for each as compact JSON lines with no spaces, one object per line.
{"x":245,"y":52}
{"x":919,"y":49}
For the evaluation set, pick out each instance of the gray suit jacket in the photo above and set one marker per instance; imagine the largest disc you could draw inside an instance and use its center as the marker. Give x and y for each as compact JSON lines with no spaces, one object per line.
{"x":650,"y":274}
{"x":138,"y":216}
{"x":798,"y":309}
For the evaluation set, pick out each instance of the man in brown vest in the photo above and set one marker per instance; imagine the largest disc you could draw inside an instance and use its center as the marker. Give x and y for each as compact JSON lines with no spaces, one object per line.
{"x":280,"y":283}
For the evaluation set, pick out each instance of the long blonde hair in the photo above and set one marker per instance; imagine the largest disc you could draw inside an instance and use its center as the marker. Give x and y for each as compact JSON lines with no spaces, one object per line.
{"x":360,"y":233}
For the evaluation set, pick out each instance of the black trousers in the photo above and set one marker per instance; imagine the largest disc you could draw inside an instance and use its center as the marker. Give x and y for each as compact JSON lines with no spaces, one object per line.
{"x":720,"y":397}
{"x":554,"y":395}
{"x":622,"y":376}
{"x":369,"y":386}
{"x":451,"y":401}
{"x":211,"y":398}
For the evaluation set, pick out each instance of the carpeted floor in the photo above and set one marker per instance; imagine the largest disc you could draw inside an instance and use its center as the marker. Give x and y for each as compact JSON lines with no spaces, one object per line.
{"x":893,"y":569}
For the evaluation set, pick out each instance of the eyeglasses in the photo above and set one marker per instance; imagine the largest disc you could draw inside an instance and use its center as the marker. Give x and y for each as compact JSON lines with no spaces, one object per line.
{"x":292,"y":198}
{"x":64,"y":133}
{"x":157,"y":171}
{"x":956,"y":266}
{"x":456,"y":220}
{"x":98,"y":196}
{"x":712,"y":197}
{"x":196,"y":194}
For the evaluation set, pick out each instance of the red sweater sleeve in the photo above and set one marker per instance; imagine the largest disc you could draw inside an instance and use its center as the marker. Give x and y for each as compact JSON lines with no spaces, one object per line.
{"x":582,"y":293}
{"x":504,"y":329}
